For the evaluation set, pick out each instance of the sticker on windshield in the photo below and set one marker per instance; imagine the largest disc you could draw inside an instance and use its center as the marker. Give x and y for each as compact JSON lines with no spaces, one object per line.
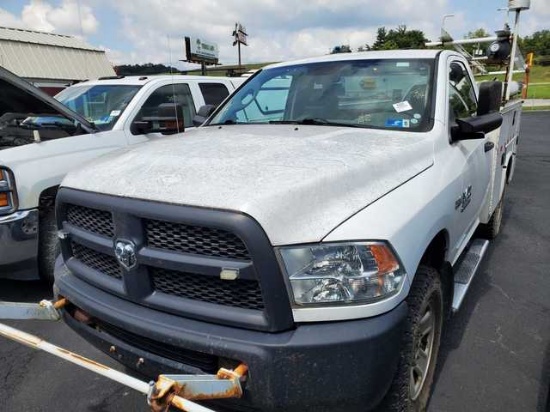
{"x":115,"y":113}
{"x":402,"y":106}
{"x":417,"y":116}
{"x":414,"y":121}
{"x":400,"y":123}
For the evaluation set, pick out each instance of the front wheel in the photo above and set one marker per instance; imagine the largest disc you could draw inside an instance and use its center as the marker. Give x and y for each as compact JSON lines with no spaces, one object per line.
{"x":411,"y":387}
{"x":48,"y":245}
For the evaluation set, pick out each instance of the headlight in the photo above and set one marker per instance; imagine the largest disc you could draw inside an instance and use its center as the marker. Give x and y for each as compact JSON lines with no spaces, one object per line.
{"x":8,"y":196}
{"x":353,"y":273}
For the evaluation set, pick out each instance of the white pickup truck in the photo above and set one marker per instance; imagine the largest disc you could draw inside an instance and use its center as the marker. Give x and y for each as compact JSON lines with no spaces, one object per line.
{"x":42,"y":139}
{"x":319,"y":228}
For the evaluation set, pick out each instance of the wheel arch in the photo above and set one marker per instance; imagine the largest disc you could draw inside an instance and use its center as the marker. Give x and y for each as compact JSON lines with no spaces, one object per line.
{"x":435,"y":256}
{"x":46,"y":199}
{"x":510,"y":169}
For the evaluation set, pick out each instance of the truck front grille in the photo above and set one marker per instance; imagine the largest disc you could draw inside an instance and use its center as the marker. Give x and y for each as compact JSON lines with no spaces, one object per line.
{"x":238,"y":293}
{"x":195,"y":240}
{"x":98,"y":261}
{"x":178,"y":255}
{"x":92,"y":220}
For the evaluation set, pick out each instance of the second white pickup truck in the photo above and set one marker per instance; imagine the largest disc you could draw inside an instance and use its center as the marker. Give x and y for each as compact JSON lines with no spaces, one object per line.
{"x":42,"y":138}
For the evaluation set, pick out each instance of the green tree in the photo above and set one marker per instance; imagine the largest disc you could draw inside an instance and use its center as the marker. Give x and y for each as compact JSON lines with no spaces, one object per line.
{"x":399,"y":38}
{"x":539,"y":44}
{"x":381,"y":37}
{"x":476,"y":34}
{"x":344,"y":48}
{"x":144,"y":69}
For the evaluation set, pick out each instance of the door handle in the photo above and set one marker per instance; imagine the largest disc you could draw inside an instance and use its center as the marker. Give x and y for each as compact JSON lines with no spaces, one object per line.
{"x":489,"y":146}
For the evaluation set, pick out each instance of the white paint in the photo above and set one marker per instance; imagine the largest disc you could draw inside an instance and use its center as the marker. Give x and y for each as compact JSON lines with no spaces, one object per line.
{"x":297,"y":182}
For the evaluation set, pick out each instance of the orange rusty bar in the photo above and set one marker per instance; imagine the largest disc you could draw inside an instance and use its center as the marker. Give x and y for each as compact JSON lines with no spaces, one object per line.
{"x":241,"y":370}
{"x":61,"y":303}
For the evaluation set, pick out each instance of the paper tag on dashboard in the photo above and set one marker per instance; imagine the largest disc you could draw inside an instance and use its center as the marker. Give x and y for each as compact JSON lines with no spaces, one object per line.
{"x":402,"y":106}
{"x":115,"y":113}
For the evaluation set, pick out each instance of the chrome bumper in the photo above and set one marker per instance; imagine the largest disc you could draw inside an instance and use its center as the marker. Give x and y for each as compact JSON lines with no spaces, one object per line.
{"x":19,"y":245}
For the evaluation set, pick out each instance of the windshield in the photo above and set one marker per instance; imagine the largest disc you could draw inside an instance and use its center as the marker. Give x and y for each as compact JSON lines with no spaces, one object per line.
{"x":99,"y":104}
{"x":383,"y":94}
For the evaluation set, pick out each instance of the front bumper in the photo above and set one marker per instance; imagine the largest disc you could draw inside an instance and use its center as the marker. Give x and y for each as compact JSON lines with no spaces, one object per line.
{"x":19,"y":245}
{"x":337,"y":366}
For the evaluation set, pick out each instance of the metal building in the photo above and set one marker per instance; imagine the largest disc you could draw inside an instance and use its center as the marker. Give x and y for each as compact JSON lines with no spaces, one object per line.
{"x":51,"y":61}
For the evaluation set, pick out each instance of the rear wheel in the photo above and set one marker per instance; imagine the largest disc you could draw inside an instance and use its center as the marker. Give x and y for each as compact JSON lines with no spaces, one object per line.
{"x":411,"y":387}
{"x":491,"y":229}
{"x":48,"y":245}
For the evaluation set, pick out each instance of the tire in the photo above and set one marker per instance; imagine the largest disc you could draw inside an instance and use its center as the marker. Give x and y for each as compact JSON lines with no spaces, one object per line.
{"x":410,"y":391}
{"x":48,"y":245}
{"x":491,"y":229}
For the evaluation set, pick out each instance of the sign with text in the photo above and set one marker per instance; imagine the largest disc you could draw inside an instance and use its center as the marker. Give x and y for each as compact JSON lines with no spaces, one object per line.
{"x":200,"y":51}
{"x":240,"y":34}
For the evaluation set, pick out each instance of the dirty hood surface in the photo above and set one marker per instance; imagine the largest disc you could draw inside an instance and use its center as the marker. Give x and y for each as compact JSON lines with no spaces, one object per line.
{"x":298,"y":182}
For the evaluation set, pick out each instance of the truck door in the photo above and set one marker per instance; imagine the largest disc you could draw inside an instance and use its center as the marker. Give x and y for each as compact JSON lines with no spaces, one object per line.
{"x":474,"y":154}
{"x":170,"y":93}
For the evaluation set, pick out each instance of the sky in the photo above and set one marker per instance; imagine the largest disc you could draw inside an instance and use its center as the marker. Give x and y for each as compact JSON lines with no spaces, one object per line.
{"x":142,"y":31}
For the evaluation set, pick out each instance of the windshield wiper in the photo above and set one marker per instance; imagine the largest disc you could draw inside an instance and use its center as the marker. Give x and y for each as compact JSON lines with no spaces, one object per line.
{"x":313,"y":121}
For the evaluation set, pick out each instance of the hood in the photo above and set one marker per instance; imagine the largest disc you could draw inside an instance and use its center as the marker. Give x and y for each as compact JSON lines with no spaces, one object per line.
{"x":299,"y":183}
{"x":19,"y":96}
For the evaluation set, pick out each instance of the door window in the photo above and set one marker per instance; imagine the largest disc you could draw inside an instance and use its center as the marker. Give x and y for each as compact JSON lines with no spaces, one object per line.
{"x":462,"y":96}
{"x":172,"y":93}
{"x":214,"y":93}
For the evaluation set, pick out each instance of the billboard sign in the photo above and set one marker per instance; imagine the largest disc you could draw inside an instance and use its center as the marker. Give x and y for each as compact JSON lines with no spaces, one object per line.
{"x":200,"y":51}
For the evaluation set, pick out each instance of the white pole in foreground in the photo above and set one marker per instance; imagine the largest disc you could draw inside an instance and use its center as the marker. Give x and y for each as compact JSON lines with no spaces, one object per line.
{"x":136,"y":384}
{"x":513,"y":55}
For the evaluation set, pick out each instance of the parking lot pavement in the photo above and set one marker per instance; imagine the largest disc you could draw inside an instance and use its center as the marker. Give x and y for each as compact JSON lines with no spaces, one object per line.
{"x":495,"y":357}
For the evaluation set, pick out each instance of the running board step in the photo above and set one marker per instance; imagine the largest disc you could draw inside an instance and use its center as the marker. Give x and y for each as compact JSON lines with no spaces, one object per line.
{"x":466,"y":269}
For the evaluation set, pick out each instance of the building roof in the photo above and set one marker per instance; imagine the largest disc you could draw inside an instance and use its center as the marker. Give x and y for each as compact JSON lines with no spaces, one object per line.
{"x":39,"y":55}
{"x":43,"y":38}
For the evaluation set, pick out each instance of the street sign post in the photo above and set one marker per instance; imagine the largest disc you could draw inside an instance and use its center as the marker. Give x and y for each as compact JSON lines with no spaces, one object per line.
{"x":240,"y":37}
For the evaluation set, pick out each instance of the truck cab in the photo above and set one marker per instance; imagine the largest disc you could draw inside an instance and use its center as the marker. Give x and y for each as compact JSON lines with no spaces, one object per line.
{"x":319,"y":228}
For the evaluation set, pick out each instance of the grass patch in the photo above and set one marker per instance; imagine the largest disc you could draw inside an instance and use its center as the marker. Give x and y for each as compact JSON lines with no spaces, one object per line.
{"x":539,"y":91}
{"x":538,"y":74}
{"x":539,"y":81}
{"x":527,"y":108}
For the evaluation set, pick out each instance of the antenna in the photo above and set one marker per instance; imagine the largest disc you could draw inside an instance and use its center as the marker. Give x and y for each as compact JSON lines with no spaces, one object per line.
{"x":82,"y":33}
{"x":80,"y":18}
{"x":173,"y":85}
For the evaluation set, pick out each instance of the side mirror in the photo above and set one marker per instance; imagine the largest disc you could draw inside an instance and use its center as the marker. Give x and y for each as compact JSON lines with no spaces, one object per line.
{"x":203,"y":114}
{"x":169,"y":120}
{"x":475,"y":127}
{"x":490,"y":97}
